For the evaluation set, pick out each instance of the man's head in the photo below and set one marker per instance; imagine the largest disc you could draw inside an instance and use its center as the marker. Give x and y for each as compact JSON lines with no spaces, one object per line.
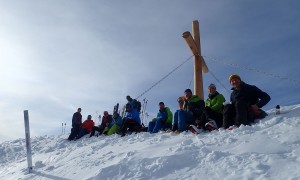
{"x":128,"y":107}
{"x":89,"y":117}
{"x":79,"y":110}
{"x":115,"y":115}
{"x":128,"y":98}
{"x":212,"y":89}
{"x":188,"y":93}
{"x":180,"y":100}
{"x":161,"y":105}
{"x":235,"y":80}
{"x":105,"y":113}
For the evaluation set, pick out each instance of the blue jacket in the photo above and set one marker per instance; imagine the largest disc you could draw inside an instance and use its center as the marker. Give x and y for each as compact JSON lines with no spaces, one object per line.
{"x":118,"y":121}
{"x":162,"y":115}
{"x":251,"y":94}
{"x":134,"y":115}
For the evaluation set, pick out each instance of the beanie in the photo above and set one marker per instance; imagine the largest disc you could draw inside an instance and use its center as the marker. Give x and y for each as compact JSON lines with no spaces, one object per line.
{"x":234,"y":76}
{"x":188,"y":90}
{"x":212,"y":86}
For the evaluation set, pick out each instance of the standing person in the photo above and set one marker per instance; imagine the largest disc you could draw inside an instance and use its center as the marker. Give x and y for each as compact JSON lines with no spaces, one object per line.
{"x":192,"y":109}
{"x":246,"y":101}
{"x":135,"y":104}
{"x":131,"y":101}
{"x":76,"y":124}
{"x":86,"y":127}
{"x":131,"y":121}
{"x":106,"y":120}
{"x":212,"y":116}
{"x":160,"y":121}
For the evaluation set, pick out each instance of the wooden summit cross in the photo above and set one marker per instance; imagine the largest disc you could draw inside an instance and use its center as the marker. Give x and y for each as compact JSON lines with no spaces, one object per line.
{"x":199,"y":63}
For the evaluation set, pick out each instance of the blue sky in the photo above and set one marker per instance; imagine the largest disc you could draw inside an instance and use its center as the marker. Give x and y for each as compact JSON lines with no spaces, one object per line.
{"x":57,"y":56}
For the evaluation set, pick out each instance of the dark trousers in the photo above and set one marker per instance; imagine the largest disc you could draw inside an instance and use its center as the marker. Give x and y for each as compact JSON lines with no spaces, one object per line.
{"x":129,"y":125}
{"x":81,"y":133}
{"x":236,"y":114}
{"x":208,"y":114}
{"x":96,"y":128}
{"x":74,"y":131}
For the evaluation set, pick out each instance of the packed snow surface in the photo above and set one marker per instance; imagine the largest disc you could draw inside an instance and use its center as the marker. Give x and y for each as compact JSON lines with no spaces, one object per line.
{"x":270,"y":149}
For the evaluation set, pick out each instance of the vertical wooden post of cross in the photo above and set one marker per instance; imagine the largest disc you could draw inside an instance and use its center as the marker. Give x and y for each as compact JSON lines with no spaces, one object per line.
{"x":199,"y":63}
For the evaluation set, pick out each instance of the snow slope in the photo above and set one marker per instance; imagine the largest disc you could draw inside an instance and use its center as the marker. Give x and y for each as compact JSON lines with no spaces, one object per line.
{"x":269,"y":149}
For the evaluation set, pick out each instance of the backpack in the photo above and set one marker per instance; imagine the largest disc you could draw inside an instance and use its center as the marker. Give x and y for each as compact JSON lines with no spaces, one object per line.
{"x":138,"y":105}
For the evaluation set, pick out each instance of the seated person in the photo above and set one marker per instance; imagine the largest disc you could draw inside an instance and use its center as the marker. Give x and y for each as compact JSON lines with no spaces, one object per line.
{"x":131,"y":121}
{"x":115,"y":125}
{"x":246,"y":101}
{"x":106,"y":120}
{"x":86,"y":127}
{"x":192,"y":109}
{"x":160,"y":121}
{"x":212,"y":117}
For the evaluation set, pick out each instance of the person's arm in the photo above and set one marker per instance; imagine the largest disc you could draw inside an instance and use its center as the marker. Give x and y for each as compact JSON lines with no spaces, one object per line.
{"x":264,"y":98}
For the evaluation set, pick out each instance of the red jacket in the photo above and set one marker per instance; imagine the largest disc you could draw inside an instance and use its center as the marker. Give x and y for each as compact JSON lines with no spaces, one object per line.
{"x":88,"y":125}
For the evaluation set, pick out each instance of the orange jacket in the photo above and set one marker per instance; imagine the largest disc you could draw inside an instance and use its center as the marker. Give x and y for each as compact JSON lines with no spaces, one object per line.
{"x":88,"y":125}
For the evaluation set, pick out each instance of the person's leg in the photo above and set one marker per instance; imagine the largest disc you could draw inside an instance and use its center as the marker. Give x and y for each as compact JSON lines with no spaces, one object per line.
{"x":175,"y":121}
{"x":124,"y":127}
{"x":100,"y":130}
{"x":114,"y":129}
{"x":182,"y":118}
{"x":217,"y":117}
{"x":151,"y":126}
{"x":74,"y":132}
{"x":228,"y":115}
{"x":81,"y":133}
{"x":93,"y":131}
{"x":241,"y":108}
{"x":105,"y":131}
{"x":158,"y":125}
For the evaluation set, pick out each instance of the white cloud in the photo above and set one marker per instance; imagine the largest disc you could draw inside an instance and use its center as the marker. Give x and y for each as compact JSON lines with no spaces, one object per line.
{"x":57,"y":55}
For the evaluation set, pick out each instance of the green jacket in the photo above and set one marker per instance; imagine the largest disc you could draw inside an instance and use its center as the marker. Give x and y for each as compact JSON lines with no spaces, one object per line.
{"x":215,"y":102}
{"x":194,"y":105}
{"x":170,"y":116}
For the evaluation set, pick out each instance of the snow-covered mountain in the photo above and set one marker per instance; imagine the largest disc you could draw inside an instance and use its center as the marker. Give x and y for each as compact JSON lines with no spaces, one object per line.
{"x":269,"y":149}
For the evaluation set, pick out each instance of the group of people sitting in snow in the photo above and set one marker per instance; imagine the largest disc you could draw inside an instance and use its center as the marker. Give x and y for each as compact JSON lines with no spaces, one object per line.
{"x":194,"y":114}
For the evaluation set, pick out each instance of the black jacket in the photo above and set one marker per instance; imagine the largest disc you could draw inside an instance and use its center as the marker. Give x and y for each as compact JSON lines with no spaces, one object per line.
{"x":76,"y":119}
{"x":194,"y":105}
{"x":251,"y":94}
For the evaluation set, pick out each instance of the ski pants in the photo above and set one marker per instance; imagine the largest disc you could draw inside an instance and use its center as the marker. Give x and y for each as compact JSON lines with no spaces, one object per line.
{"x":130,"y":125}
{"x":236,"y":114}
{"x":155,"y":126}
{"x":182,"y":119}
{"x":81,"y":133}
{"x":74,"y":131}
{"x":208,"y":114}
{"x":96,"y":128}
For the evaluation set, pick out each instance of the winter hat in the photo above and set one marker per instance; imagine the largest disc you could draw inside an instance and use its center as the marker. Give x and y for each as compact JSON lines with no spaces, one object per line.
{"x":234,"y":76}
{"x":212,"y":85}
{"x":188,"y":90}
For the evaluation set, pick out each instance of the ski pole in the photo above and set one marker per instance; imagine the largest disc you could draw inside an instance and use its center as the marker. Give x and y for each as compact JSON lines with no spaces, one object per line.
{"x":65,"y":128}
